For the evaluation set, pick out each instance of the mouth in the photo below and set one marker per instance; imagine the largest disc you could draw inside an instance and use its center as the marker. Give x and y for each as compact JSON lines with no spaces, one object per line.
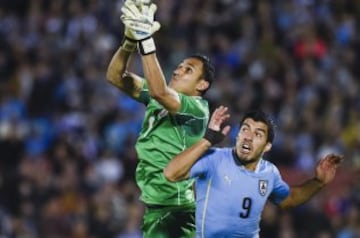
{"x":245,"y":148}
{"x":174,"y":78}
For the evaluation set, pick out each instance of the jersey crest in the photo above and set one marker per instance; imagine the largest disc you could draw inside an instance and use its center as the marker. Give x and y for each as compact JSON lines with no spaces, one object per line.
{"x":263,"y":185}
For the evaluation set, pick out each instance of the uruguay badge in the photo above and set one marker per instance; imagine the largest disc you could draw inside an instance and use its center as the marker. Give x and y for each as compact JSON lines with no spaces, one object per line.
{"x":263,"y":184}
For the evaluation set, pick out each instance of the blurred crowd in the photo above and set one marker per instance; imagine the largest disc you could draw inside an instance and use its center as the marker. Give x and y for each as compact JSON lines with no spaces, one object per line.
{"x":67,"y":137}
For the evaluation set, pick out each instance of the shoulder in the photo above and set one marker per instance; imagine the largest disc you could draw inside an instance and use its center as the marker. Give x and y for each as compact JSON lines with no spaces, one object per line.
{"x":219,"y":154}
{"x":193,"y":99}
{"x":194,"y":104}
{"x":267,"y":166}
{"x":214,"y":159}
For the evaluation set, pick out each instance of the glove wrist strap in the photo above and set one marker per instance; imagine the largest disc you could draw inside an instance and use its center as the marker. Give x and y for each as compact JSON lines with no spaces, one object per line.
{"x":213,"y":136}
{"x":147,"y":46}
{"x":128,"y":45}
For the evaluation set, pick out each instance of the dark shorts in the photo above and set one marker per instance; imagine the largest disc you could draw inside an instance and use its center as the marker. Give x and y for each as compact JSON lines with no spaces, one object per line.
{"x":169,"y":222}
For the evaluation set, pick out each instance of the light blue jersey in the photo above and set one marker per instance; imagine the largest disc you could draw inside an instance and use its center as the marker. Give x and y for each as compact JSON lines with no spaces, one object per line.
{"x":229,"y":198}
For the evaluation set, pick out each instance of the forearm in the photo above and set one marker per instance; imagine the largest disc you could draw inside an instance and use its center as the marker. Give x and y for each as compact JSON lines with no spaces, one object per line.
{"x":301,"y":194}
{"x":158,"y":88}
{"x":153,"y":74}
{"x":179,"y":167}
{"x":117,"y":67}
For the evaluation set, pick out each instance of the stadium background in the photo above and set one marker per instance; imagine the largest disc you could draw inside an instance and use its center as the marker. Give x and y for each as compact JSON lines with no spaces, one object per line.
{"x":66,"y":136}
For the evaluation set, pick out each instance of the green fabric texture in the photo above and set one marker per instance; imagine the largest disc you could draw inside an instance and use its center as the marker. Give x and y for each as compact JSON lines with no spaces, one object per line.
{"x":162,"y":137}
{"x":169,"y":222}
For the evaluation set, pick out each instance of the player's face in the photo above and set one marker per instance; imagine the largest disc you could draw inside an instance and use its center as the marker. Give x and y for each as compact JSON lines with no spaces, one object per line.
{"x":187,"y":77}
{"x":251,"y":140}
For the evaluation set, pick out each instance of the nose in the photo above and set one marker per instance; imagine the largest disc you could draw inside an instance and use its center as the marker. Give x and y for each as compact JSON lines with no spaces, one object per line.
{"x":178,"y":71}
{"x":248,"y":136}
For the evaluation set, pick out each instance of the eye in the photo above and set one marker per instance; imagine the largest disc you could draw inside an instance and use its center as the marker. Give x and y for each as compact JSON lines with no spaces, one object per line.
{"x":258,"y":134}
{"x":189,"y":70}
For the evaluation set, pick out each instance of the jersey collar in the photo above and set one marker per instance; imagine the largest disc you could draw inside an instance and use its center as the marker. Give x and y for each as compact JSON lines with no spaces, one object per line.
{"x":237,"y":161}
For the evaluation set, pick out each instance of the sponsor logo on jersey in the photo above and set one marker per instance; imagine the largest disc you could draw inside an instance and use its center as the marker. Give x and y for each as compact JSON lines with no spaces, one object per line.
{"x":227,"y":179}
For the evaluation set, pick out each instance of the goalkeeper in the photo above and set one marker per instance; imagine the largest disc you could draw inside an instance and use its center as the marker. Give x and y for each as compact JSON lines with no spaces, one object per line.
{"x":176,"y":117}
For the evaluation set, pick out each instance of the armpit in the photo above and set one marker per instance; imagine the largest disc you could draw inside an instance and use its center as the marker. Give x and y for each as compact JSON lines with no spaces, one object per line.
{"x":132,"y":84}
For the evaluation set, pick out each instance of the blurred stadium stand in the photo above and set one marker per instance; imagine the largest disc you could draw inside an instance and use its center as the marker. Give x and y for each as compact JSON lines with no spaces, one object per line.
{"x":67,"y":137}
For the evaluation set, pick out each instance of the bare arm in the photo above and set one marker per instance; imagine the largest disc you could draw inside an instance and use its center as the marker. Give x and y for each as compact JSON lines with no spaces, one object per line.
{"x":118,"y":76}
{"x":325,"y":173}
{"x":138,"y":19}
{"x":301,"y":194}
{"x":179,"y":167}
{"x":158,"y":88}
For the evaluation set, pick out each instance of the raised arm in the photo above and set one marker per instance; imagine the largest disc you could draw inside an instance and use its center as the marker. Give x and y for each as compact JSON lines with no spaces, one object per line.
{"x":138,"y":17}
{"x":117,"y":73}
{"x":179,"y":167}
{"x":158,"y":88}
{"x":118,"y":76}
{"x":154,"y":75}
{"x":325,"y":173}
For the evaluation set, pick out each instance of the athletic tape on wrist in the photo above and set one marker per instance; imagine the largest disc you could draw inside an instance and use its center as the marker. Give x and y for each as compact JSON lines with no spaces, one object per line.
{"x":147,"y":46}
{"x":213,"y":136}
{"x":128,"y":45}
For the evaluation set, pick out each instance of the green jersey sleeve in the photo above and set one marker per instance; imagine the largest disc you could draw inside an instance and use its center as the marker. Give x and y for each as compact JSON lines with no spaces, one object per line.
{"x":144,"y":94}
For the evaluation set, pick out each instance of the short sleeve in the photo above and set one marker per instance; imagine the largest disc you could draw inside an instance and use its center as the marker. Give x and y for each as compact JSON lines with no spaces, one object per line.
{"x":144,"y":94}
{"x":193,"y":105}
{"x":203,"y":165}
{"x":281,"y":189}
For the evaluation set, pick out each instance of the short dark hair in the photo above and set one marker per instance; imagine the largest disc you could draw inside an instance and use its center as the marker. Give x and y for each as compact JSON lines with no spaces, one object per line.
{"x":258,"y":115}
{"x":208,"y":69}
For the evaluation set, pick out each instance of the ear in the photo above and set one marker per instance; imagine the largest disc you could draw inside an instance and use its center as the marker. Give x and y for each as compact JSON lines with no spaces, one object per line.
{"x":202,"y":85}
{"x":267,"y":147}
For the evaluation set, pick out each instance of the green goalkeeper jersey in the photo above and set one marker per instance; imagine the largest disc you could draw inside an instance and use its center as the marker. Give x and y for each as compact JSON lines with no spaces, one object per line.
{"x":163,"y":136}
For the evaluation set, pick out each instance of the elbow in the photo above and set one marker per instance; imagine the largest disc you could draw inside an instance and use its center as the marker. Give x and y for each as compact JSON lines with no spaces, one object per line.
{"x":169,"y":175}
{"x":110,"y":76}
{"x":288,"y":203}
{"x":167,"y":101}
{"x":109,"y":79}
{"x":114,"y":79}
{"x":158,"y":95}
{"x":284,"y":206}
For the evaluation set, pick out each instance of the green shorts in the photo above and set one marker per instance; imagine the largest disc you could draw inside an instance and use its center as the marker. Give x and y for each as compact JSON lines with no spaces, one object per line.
{"x":169,"y":222}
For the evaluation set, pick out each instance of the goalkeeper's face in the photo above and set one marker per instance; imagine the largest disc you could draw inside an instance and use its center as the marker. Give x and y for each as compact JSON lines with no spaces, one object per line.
{"x":188,"y":78}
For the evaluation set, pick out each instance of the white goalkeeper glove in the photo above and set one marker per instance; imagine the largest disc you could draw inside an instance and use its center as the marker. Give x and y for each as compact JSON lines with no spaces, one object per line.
{"x":138,"y":19}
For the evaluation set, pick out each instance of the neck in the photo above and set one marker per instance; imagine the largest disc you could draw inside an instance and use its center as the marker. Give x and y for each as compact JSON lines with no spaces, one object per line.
{"x":248,"y":164}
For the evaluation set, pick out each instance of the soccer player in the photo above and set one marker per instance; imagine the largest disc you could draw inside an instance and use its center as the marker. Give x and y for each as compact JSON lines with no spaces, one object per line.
{"x":176,"y":117}
{"x":233,"y":184}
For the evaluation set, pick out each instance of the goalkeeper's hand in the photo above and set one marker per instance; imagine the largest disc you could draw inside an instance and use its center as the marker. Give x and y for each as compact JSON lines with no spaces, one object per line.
{"x":138,"y":18}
